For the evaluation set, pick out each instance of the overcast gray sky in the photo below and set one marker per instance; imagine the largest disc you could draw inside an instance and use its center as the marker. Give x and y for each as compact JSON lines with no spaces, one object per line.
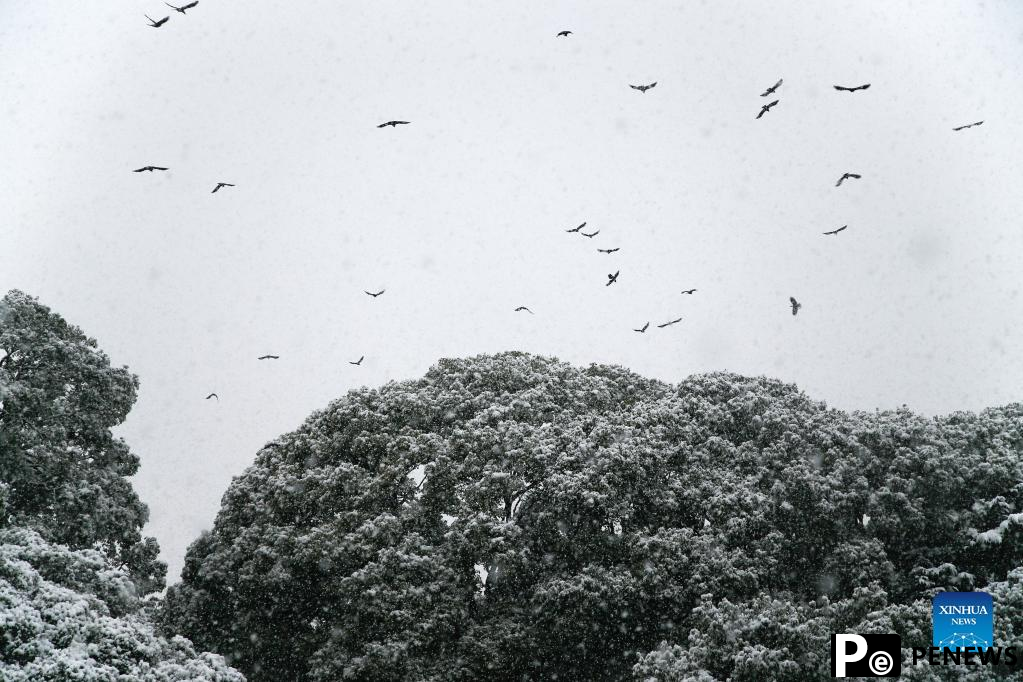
{"x":516,"y":136}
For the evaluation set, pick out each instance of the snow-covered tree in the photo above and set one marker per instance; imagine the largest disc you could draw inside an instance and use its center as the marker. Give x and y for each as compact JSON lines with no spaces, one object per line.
{"x":62,"y":471}
{"x":513,"y":517}
{"x":70,"y":615}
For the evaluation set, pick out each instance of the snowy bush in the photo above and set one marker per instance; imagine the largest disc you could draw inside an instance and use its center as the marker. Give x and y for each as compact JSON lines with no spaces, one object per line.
{"x":68,"y":615}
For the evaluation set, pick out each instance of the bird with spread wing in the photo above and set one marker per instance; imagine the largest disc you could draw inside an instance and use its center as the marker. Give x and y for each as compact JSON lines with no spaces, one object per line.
{"x":766,"y":108}
{"x":184,"y":8}
{"x":968,"y":126}
{"x":643,"y":88}
{"x":770,"y":90}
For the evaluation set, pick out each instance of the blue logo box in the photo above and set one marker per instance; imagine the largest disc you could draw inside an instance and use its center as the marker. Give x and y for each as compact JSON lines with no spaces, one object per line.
{"x":963,"y":620}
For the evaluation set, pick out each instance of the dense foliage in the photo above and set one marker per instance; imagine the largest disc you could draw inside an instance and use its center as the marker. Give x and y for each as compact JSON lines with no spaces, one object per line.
{"x":70,"y":615}
{"x":513,"y":517}
{"x":73,"y":563}
{"x":65,"y":473}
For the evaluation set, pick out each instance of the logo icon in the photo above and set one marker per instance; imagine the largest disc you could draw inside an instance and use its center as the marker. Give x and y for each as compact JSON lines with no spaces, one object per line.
{"x":866,"y":655}
{"x":963,"y":620}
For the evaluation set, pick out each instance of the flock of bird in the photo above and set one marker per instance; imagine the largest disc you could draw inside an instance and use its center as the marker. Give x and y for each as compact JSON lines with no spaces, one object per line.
{"x":181,"y":10}
{"x":150,"y":169}
{"x":612,"y":278}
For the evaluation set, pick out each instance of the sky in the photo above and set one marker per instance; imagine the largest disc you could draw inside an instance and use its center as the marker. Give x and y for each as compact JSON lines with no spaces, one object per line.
{"x":516,"y":135}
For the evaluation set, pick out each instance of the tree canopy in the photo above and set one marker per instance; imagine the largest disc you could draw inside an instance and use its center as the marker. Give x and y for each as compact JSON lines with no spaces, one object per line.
{"x":64,"y":472}
{"x":513,"y":517}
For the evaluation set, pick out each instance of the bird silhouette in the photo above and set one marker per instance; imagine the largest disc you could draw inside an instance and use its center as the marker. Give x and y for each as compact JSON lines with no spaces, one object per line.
{"x":846,"y":176}
{"x":564,"y":34}
{"x":642,"y":330}
{"x":668,"y":324}
{"x":770,"y":90}
{"x":394,"y":124}
{"x":796,"y":305}
{"x":611,"y":279}
{"x":618,"y":248}
{"x":213,"y":395}
{"x":968,"y":126}
{"x":846,"y":89}
{"x":576,"y":229}
{"x":183,"y":9}
{"x":834,"y":232}
{"x":149,"y":168}
{"x":357,"y":362}
{"x":370,"y":293}
{"x":591,"y":235}
{"x":766,"y":108}
{"x":156,"y":24}
{"x":689,"y":291}
{"x":269,"y":357}
{"x":219,"y":185}
{"x":522,"y":307}
{"x":643,"y":88}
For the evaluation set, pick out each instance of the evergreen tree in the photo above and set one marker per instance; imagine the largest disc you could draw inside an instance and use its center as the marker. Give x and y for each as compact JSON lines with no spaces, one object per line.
{"x":512,"y":517}
{"x":63,"y":472}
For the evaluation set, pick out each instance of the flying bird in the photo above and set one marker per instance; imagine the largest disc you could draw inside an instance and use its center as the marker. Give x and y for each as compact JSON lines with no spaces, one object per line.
{"x":609,"y":250}
{"x":643,"y":88}
{"x":591,"y":235}
{"x":357,"y":362}
{"x":576,"y":229}
{"x":219,"y":185}
{"x":834,"y":232}
{"x":394,"y":124}
{"x":611,"y":279}
{"x":770,"y":90}
{"x":846,"y":176}
{"x":564,"y":34}
{"x":668,"y":324}
{"x":796,"y":305}
{"x":149,"y":168}
{"x":766,"y":108}
{"x":642,"y":330}
{"x":370,"y":293}
{"x":968,"y":126}
{"x":689,"y":291}
{"x":269,"y":357}
{"x":522,"y":307}
{"x":858,"y":87}
{"x":183,"y":8}
{"x":156,"y":24}
{"x":213,"y":395}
